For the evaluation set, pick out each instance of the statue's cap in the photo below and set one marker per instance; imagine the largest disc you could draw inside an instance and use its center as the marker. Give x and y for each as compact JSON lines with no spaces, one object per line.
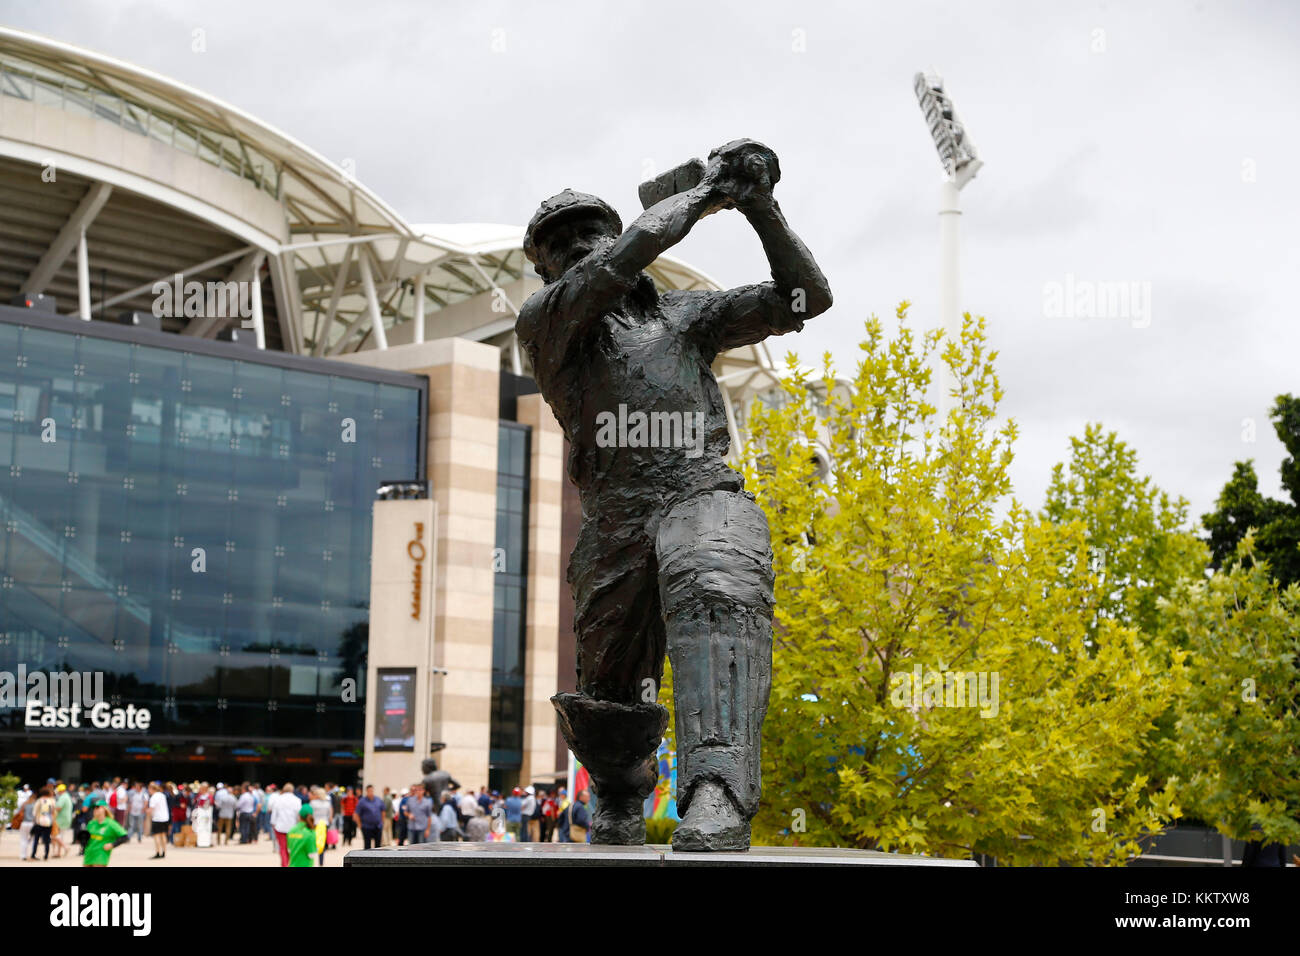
{"x":564,"y":205}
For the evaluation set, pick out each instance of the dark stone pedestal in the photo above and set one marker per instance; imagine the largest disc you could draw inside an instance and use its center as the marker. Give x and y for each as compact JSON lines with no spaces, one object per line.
{"x":582,"y":854}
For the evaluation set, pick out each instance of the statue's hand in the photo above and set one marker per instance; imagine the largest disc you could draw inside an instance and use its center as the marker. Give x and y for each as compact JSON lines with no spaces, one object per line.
{"x":717,"y":187}
{"x":746,"y":172}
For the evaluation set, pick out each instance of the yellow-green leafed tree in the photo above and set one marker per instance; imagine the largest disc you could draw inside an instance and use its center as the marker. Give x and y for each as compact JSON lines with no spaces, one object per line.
{"x":1140,"y":545}
{"x":933,"y":689}
{"x":1237,"y":736}
{"x":1139,"y":539}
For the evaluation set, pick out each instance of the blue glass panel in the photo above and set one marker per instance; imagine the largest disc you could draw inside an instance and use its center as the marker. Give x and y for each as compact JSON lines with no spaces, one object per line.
{"x":508,"y":620}
{"x":196,"y":526}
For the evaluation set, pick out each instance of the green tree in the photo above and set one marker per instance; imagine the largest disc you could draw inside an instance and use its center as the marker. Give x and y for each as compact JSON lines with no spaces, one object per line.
{"x":1237,"y":735}
{"x":1140,"y":542}
{"x":1240,"y":505}
{"x":896,"y":563}
{"x":1140,"y":545}
{"x":8,"y":797}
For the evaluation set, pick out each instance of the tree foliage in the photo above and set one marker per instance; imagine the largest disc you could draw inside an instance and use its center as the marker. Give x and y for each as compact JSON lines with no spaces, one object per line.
{"x":1237,"y":737}
{"x":8,"y":797}
{"x":1140,"y":542}
{"x":1240,"y":506}
{"x":897,"y":562}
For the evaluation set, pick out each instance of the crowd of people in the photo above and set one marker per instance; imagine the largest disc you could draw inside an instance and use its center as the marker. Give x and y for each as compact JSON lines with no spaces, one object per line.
{"x":525,"y":815}
{"x":97,"y":816}
{"x":56,"y":816}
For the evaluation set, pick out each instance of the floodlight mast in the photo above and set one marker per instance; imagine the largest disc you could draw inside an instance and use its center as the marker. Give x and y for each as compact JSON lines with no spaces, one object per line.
{"x":960,"y":164}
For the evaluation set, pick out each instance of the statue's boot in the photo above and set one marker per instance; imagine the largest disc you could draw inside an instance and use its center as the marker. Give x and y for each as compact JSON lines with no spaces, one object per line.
{"x":617,"y":743}
{"x":714,"y":822}
{"x":716,"y":593}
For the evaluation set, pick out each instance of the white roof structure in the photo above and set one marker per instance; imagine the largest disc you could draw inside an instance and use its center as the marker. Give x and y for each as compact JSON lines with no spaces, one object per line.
{"x":113,"y":177}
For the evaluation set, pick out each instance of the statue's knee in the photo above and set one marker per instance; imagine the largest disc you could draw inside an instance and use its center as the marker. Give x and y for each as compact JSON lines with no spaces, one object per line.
{"x":715,"y":549}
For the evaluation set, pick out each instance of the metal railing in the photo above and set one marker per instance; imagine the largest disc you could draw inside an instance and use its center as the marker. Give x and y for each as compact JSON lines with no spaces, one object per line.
{"x":221,"y":149}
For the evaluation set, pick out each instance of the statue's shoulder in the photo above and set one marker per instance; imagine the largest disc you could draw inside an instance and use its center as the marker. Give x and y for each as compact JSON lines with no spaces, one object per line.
{"x":533,"y":313}
{"x":539,"y":300}
{"x":684,"y":307}
{"x":677,"y":296}
{"x":683,"y":302}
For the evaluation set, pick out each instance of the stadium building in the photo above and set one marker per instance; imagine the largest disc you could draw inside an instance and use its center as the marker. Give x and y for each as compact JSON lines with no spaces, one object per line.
{"x":218,"y":348}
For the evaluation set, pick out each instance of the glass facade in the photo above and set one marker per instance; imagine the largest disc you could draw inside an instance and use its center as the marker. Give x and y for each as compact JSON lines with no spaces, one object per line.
{"x":195,"y":524}
{"x":510,"y":562}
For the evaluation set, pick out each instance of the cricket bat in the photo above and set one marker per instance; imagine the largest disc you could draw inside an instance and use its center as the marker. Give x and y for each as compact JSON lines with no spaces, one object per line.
{"x":676,"y":180}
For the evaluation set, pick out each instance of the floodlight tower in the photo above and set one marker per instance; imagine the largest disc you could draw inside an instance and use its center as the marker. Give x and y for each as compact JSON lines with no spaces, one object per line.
{"x":960,"y":164}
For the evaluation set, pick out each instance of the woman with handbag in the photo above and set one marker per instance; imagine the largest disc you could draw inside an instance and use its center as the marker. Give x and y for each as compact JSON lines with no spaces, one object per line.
{"x":322,"y":811}
{"x":43,"y":820}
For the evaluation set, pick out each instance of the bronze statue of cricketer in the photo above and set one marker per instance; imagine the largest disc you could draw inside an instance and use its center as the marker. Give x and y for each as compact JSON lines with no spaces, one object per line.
{"x":435,"y":782}
{"x":673,"y":554}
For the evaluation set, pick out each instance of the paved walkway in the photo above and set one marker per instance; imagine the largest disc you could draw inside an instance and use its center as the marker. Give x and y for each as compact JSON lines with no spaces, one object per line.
{"x":138,"y":854}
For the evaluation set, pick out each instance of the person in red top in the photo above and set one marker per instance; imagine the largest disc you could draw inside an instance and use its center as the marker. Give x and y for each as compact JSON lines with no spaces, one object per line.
{"x":550,"y":810}
{"x":180,"y":802}
{"x":349,"y":808}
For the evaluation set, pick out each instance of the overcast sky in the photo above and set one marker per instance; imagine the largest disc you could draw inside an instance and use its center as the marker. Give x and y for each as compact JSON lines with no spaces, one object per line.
{"x":1123,"y":142}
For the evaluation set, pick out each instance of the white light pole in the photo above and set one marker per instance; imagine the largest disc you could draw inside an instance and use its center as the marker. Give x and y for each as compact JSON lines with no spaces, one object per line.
{"x":960,"y":164}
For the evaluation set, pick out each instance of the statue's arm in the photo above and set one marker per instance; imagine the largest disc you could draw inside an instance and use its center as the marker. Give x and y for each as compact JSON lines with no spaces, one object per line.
{"x":798,"y":290}
{"x":594,"y":285}
{"x":663,"y":225}
{"x":793,"y":267}
{"x":561,"y":313}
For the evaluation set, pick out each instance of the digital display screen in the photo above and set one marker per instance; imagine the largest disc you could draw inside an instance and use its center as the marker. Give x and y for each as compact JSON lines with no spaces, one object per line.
{"x":395,"y":709}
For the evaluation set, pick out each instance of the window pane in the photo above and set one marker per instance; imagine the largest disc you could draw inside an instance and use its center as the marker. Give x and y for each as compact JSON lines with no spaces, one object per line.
{"x":195,"y":526}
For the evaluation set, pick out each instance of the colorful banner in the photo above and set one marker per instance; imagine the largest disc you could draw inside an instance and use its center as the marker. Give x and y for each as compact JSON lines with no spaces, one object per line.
{"x":662,"y":805}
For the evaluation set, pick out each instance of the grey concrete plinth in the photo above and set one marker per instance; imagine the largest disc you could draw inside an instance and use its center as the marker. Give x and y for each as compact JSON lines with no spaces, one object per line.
{"x":582,"y":854}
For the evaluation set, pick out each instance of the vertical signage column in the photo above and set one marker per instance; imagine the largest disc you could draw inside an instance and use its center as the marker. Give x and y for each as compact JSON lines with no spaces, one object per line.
{"x":399,"y":673}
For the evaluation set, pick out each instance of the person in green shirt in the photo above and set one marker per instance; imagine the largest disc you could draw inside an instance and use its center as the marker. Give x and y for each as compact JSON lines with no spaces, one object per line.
{"x":63,"y":820}
{"x":105,"y":833}
{"x":302,"y":838}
